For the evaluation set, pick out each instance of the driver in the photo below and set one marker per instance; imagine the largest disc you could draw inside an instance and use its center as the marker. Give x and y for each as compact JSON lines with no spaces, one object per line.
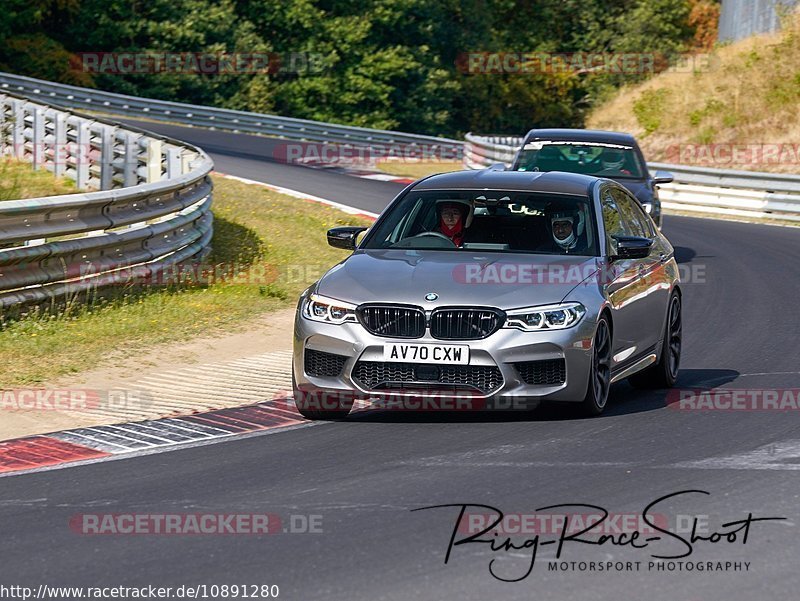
{"x":565,"y":227}
{"x":454,"y":217}
{"x":613,"y":161}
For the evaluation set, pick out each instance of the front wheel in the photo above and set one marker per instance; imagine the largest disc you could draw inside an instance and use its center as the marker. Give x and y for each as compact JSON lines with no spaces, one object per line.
{"x":600,"y":372}
{"x":664,"y":373}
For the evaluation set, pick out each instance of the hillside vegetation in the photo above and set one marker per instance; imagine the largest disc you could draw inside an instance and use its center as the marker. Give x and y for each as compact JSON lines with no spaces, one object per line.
{"x":741,"y":111}
{"x":394,"y":64}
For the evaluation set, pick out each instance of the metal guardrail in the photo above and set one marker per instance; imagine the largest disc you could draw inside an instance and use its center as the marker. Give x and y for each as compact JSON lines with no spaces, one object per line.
{"x":150,"y":212}
{"x":695,"y":189}
{"x":222,"y":119}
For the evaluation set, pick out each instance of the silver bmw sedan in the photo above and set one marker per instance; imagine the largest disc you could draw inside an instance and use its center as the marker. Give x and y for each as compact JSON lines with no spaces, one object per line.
{"x":491,"y":290}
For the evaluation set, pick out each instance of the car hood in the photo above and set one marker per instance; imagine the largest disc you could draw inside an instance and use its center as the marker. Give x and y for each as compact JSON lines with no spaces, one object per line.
{"x":457,"y":278}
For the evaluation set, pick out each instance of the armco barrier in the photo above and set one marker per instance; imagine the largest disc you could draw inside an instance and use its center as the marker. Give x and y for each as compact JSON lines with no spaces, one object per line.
{"x":223,"y":119}
{"x":740,"y":193}
{"x":695,"y":189}
{"x":150,"y":210}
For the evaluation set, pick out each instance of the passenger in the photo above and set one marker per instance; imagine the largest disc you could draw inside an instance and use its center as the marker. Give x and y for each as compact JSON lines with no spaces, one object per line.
{"x":613,"y":162}
{"x":565,"y":227}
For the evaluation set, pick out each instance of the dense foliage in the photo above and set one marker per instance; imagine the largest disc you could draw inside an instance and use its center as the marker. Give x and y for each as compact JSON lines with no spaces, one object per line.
{"x":387,"y":64}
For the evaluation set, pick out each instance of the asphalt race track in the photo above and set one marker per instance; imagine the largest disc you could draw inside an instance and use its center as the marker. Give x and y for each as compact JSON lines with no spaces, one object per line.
{"x":365,"y":475}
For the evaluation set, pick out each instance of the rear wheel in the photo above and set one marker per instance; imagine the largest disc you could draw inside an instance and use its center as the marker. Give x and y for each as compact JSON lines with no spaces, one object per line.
{"x":664,"y":373}
{"x":600,"y":374}
{"x":320,"y":405}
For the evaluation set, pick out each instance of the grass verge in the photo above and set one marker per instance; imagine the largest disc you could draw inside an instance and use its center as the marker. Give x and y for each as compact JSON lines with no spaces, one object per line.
{"x":416,"y":170}
{"x":275,"y":246}
{"x":18,"y":180}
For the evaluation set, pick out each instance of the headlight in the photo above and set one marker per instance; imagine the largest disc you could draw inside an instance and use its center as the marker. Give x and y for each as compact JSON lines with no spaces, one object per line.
{"x":550,"y":317}
{"x":329,"y":310}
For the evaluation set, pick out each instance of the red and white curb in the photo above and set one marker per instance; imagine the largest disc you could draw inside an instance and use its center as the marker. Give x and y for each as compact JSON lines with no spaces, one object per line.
{"x":255,"y":389}
{"x":199,"y":403}
{"x":87,"y":444}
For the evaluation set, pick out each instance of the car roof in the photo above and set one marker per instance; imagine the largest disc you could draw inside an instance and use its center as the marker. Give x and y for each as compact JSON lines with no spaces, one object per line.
{"x":489,"y":179}
{"x":581,"y":135}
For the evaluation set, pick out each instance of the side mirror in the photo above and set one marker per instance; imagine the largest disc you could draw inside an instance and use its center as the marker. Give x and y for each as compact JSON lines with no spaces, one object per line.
{"x":663,"y":177}
{"x":345,"y":237}
{"x":632,"y":247}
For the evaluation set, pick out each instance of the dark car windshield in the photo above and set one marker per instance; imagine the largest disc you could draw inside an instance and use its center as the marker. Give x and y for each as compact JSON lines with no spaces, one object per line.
{"x":488,"y":220}
{"x":600,"y":160}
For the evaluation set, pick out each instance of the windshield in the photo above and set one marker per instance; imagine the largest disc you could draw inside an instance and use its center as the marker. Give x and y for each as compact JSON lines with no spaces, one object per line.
{"x":600,"y":160}
{"x":488,"y":220}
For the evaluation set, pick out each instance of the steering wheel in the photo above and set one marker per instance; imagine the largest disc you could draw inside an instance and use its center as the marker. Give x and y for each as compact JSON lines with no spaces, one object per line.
{"x":439,"y":234}
{"x":436,"y":237}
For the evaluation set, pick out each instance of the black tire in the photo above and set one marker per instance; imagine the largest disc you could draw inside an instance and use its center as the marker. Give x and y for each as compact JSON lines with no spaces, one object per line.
{"x":600,"y":373}
{"x":664,"y":373}
{"x":308,"y":404}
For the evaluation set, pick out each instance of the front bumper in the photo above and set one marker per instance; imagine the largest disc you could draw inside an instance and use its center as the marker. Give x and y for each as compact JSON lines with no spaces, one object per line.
{"x":502,"y":349}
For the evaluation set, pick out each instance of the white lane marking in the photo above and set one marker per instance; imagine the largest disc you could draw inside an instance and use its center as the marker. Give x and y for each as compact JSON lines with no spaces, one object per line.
{"x":76,"y":437}
{"x":777,"y":456}
{"x":517,"y":464}
{"x":385,"y":177}
{"x":771,"y":373}
{"x":298,"y":194}
{"x":146,"y":435}
{"x":113,"y":434}
{"x":194,"y":427}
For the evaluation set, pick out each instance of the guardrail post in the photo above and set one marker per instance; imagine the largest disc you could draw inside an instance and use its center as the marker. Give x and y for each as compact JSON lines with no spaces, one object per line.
{"x":59,"y":143}
{"x":174,"y":167}
{"x":18,"y":131}
{"x":38,"y":138}
{"x":130,"y":160}
{"x":3,"y":122}
{"x":106,"y":157}
{"x":82,"y":157}
{"x":153,"y":168}
{"x":187,"y":156}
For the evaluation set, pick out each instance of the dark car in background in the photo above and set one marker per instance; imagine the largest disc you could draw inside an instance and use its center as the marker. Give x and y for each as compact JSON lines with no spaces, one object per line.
{"x":607,"y":154}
